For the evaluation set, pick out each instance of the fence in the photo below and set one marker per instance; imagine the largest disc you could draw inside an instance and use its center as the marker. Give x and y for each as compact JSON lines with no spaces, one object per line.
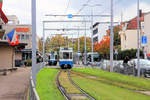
{"x":33,"y":93}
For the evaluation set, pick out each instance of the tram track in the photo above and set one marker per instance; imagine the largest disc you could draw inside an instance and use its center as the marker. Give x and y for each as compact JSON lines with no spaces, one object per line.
{"x":68,"y":95}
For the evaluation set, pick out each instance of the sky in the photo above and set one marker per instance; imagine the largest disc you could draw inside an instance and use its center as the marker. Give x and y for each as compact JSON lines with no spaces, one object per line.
{"x":22,"y":9}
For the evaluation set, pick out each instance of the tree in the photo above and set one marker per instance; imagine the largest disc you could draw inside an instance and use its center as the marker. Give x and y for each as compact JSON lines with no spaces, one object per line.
{"x":56,"y":42}
{"x":117,"y":39}
{"x":82,"y":44}
{"x":40,"y":45}
{"x":103,"y":47}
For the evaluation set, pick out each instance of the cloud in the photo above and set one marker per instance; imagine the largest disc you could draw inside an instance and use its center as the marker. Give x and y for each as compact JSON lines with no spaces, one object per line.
{"x":22,"y":9}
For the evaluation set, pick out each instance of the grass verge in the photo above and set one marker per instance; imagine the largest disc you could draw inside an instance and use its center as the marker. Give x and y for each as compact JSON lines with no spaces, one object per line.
{"x":102,"y":91}
{"x":130,"y":82}
{"x":46,"y":85}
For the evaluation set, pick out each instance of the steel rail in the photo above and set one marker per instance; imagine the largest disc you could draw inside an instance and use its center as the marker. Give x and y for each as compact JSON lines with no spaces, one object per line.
{"x":81,"y":90}
{"x":61,"y":89}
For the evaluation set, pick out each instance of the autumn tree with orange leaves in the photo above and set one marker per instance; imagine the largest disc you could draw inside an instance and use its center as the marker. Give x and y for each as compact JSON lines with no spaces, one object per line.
{"x":103,"y":47}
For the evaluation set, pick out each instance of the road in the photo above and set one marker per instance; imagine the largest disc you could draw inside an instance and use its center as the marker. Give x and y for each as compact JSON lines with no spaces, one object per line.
{"x":14,"y":86}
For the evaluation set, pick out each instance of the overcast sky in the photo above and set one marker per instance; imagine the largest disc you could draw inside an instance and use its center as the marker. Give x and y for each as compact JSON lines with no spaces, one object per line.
{"x":22,"y":9}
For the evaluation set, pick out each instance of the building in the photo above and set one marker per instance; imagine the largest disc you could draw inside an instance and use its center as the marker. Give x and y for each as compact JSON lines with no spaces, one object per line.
{"x":7,"y":54}
{"x":97,"y":34}
{"x":129,"y":33}
{"x":147,"y":31}
{"x":24,"y":31}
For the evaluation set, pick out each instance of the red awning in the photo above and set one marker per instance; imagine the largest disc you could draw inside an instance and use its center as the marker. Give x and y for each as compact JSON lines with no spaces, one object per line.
{"x":3,"y":16}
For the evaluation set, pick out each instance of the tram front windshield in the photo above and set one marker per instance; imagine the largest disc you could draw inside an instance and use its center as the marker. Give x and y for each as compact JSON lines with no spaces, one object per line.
{"x":67,"y":55}
{"x":52,"y":56}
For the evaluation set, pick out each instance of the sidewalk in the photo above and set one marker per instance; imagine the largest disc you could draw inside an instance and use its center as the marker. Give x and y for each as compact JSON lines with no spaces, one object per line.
{"x":14,"y":86}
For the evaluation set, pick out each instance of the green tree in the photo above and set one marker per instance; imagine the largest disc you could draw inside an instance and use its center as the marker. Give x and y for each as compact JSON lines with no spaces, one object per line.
{"x":56,"y":42}
{"x":40,"y":44}
{"x":117,"y":40}
{"x":82,"y":44}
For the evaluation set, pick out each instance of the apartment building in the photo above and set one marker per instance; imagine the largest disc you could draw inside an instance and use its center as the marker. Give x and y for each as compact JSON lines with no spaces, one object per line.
{"x":147,"y":32}
{"x":129,"y":33}
{"x":97,"y":34}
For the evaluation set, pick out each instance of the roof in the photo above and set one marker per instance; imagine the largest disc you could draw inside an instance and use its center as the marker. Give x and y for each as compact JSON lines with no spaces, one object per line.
{"x":132,"y":24}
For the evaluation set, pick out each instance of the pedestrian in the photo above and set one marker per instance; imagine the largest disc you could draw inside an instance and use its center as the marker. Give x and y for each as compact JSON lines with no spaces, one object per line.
{"x":125,"y":64}
{"x":126,"y":59}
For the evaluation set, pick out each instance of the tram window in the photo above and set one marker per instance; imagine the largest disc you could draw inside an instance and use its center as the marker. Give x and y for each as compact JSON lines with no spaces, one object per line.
{"x":52,"y":56}
{"x":66,"y":55}
{"x":61,"y":55}
{"x":70,"y":55}
{"x":55,"y":56}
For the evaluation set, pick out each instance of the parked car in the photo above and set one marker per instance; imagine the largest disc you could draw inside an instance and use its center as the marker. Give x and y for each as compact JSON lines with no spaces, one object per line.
{"x":144,"y":66}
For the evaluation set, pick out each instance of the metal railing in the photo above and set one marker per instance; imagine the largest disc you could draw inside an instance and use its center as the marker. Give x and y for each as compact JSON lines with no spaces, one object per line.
{"x":33,"y":93}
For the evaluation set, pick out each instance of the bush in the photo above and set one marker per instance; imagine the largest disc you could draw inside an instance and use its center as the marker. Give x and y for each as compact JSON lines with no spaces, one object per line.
{"x":131,"y":53}
{"x":28,"y":62}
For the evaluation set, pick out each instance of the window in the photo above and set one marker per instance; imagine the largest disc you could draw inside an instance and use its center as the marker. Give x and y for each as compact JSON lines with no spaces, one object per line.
{"x":65,"y":55}
{"x":5,"y":37}
{"x":95,"y":39}
{"x":0,"y":26}
{"x":52,"y":56}
{"x":23,"y":37}
{"x":95,"y":31}
{"x":27,"y":37}
{"x":70,"y":55}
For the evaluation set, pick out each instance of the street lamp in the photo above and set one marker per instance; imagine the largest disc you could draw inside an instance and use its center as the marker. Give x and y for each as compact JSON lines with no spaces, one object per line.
{"x":92,"y":6}
{"x":138,"y":44}
{"x":34,"y":40}
{"x":111,"y":38}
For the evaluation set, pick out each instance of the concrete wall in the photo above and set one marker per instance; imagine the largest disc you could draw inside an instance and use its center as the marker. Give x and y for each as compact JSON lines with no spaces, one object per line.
{"x":6,"y":57}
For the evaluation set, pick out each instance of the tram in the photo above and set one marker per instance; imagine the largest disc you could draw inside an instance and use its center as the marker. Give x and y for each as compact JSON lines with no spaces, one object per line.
{"x":96,"y":57}
{"x":52,"y":58}
{"x":66,"y":58}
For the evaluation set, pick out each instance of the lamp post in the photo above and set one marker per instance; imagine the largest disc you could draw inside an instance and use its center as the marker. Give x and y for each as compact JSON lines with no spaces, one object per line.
{"x":138,"y":44}
{"x":92,"y":27}
{"x":85,"y":53}
{"x":33,"y":40}
{"x":111,"y":39}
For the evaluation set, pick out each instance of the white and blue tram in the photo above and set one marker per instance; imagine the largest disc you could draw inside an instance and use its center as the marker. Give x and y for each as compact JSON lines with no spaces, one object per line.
{"x":52,"y":58}
{"x":66,"y":58}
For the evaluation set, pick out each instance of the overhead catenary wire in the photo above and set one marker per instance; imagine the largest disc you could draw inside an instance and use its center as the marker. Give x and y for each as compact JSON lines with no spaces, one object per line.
{"x":68,"y":3}
{"x":82,"y":7}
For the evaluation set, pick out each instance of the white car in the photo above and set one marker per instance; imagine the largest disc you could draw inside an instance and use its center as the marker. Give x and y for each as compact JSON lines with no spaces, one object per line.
{"x":144,"y":66}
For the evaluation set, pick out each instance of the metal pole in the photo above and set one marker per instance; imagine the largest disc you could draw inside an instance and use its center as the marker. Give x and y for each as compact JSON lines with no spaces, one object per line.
{"x":92,"y":35}
{"x":138,"y":44}
{"x":33,"y":2}
{"x":85,"y":62}
{"x":72,"y":40}
{"x":78,"y":46}
{"x":43,"y":44}
{"x":111,"y":39}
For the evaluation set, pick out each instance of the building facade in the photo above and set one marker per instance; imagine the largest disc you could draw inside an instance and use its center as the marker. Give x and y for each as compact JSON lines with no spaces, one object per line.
{"x":97,"y":34}
{"x":147,"y":32}
{"x":24,"y":31}
{"x":129,"y":33}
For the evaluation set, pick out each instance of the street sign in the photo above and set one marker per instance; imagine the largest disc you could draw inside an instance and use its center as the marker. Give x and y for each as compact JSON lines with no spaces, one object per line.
{"x":69,"y":15}
{"x":116,"y":51}
{"x":143,"y":40}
